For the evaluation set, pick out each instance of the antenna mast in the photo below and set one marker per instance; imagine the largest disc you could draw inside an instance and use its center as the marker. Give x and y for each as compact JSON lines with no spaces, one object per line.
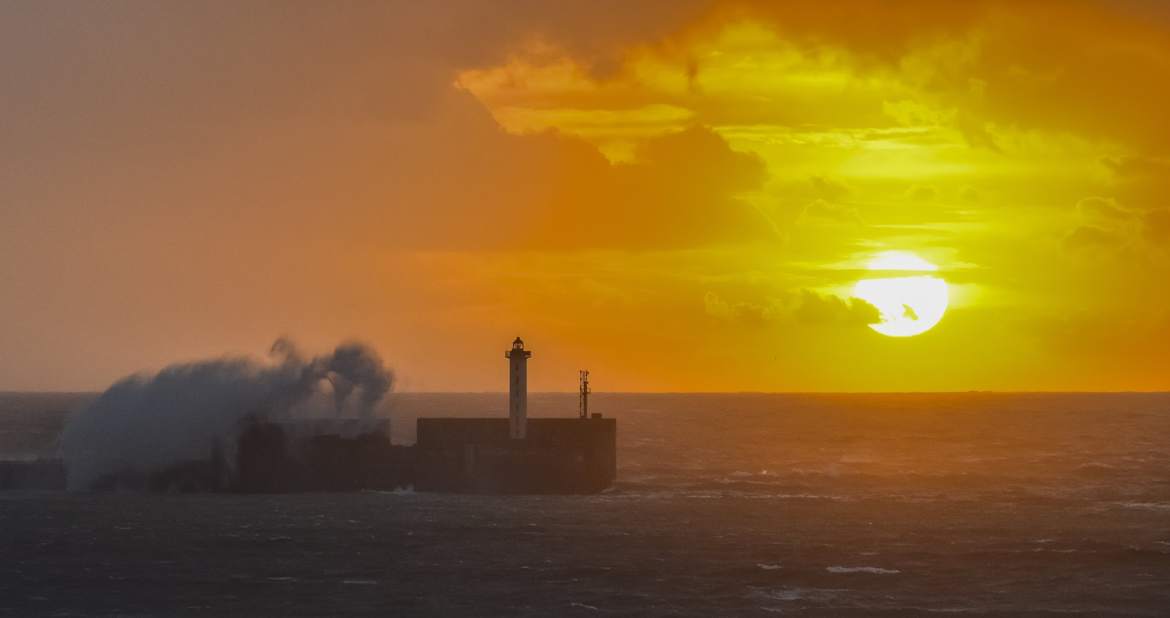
{"x":583,"y":402}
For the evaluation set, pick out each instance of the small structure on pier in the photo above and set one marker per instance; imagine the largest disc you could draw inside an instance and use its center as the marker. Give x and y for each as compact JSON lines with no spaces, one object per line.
{"x":517,"y":389}
{"x":518,"y":454}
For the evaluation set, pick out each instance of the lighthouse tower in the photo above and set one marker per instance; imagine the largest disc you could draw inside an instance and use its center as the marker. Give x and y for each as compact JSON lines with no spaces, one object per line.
{"x":518,"y":389}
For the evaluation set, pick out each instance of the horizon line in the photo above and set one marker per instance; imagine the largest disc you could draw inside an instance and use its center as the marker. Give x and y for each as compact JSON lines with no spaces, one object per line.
{"x":744,"y":392}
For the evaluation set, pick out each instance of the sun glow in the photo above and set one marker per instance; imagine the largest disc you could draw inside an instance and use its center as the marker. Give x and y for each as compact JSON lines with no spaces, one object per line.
{"x":909,"y":304}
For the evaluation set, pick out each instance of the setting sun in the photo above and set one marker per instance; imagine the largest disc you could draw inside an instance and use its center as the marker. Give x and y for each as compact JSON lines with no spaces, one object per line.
{"x":909,"y":305}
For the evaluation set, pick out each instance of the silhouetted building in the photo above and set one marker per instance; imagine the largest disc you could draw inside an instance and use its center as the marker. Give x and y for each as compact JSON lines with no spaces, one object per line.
{"x":517,"y":388}
{"x":516,"y":454}
{"x":320,"y":455}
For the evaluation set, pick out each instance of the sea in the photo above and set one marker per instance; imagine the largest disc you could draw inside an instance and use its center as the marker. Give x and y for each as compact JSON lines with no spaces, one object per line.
{"x":726,"y":505}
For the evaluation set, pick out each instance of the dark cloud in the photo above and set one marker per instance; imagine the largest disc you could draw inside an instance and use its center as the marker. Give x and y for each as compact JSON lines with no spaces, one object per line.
{"x":1004,"y":64}
{"x":1101,"y":207}
{"x":970,"y":195}
{"x":1093,"y":237}
{"x":823,"y":209}
{"x":1109,"y":224}
{"x":744,"y":313}
{"x":816,"y":308}
{"x":304,"y":118}
{"x":828,"y":189}
{"x":556,"y":192}
{"x":1131,"y":166}
{"x":976,"y":134}
{"x":805,"y":306}
{"x":921,"y":193}
{"x":830,"y":201}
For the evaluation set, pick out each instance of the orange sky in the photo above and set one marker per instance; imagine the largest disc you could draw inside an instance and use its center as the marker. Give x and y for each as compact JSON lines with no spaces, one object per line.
{"x":675,"y":195}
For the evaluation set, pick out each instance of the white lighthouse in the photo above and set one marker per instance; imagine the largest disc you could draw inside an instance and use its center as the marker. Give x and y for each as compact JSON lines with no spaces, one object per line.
{"x":517,"y":389}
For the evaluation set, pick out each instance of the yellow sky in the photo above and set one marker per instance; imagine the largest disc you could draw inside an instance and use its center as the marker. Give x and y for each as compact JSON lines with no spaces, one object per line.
{"x":676,"y":195}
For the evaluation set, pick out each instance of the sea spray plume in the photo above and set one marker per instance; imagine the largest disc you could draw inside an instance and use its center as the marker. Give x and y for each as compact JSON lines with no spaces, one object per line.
{"x":354,"y":365}
{"x":351,"y":366}
{"x":143,"y":424}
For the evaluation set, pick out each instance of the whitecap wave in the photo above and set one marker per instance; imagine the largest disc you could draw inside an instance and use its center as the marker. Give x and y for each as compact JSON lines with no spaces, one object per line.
{"x":862,"y":569}
{"x":1146,"y":506}
{"x":796,"y":594}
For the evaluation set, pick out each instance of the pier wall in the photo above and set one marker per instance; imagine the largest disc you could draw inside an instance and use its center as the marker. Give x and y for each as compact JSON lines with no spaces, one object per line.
{"x":477,"y":455}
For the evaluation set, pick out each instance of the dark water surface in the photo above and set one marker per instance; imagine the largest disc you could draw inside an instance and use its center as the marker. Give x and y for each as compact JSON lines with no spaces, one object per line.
{"x":833,"y":505}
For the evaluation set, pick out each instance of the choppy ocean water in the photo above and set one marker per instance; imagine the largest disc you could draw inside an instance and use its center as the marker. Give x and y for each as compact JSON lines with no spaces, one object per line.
{"x":831,"y":505}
